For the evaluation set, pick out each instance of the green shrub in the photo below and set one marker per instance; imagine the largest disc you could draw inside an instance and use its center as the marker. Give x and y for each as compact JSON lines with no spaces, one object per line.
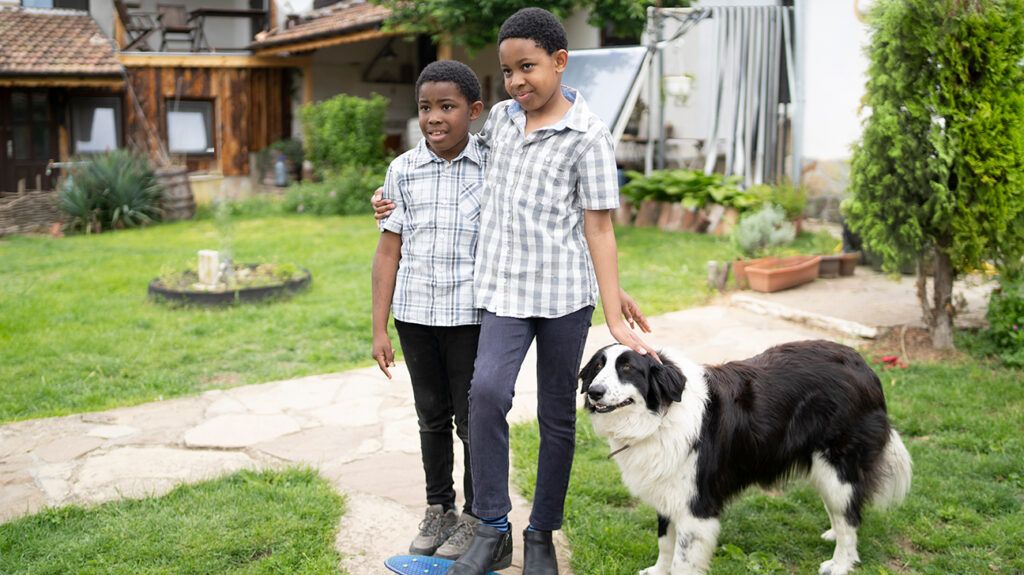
{"x":344,"y":131}
{"x":692,"y":188}
{"x":293,"y":153}
{"x":343,"y":193}
{"x":1006,"y":318}
{"x":111,"y":190}
{"x":790,"y":198}
{"x":759,"y":232}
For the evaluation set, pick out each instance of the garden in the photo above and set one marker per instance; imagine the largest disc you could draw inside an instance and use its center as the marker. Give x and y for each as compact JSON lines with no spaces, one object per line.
{"x":935,"y":186}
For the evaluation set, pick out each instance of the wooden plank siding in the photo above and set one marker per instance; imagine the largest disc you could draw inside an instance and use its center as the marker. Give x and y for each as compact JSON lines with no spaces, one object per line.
{"x":251,"y":110}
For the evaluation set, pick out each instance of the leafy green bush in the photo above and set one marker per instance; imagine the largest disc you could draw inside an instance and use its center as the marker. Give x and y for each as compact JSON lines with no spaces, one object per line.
{"x":113,"y":190}
{"x":345,"y":131}
{"x":692,"y":188}
{"x":1006,"y":318}
{"x":790,"y":198}
{"x":759,"y":232}
{"x":342,"y":193}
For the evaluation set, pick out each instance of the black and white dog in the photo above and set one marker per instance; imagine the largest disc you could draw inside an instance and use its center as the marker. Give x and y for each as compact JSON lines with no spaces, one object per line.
{"x":688,"y":437}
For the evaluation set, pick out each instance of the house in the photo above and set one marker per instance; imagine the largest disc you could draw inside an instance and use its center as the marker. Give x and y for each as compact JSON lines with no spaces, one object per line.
{"x":75,"y":78}
{"x":201,"y":83}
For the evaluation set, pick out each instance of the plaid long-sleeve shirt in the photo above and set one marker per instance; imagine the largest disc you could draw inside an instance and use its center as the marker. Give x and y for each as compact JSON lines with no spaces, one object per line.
{"x":533,"y":259}
{"x":437,"y":212}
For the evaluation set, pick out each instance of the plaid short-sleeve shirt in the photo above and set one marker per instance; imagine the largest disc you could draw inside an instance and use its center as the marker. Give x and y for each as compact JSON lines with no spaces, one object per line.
{"x":437,"y":213}
{"x":533,"y":259}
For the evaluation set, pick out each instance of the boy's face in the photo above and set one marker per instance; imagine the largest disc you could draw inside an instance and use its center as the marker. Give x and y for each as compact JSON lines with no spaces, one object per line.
{"x":532,"y":76}
{"x":445,"y":116}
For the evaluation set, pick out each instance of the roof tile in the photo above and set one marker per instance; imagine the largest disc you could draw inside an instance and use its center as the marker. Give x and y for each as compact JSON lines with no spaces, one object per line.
{"x":41,"y":42}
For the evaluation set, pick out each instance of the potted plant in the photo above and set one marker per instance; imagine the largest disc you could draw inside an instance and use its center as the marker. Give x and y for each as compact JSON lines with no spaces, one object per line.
{"x":776,"y":274}
{"x":792,"y":200}
{"x":757,"y":234}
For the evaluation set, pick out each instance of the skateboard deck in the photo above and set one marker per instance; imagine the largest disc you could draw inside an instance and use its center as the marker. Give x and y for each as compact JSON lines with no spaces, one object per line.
{"x":419,"y":565}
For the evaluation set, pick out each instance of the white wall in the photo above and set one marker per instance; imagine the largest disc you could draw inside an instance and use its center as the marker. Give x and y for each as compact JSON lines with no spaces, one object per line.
{"x":835,"y":69}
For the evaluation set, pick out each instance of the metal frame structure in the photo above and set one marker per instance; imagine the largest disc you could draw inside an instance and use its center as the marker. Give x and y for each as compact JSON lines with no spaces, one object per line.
{"x":757,"y":60}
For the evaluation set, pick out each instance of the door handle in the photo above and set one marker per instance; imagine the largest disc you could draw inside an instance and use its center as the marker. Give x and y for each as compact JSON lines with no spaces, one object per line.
{"x":10,"y":148}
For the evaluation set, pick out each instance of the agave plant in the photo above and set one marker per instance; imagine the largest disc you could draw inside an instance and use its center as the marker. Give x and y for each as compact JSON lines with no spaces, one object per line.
{"x":81,"y":207}
{"x":122,"y":187}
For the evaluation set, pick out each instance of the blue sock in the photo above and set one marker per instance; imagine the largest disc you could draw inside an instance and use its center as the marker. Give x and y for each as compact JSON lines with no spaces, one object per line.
{"x":499,"y":523}
{"x":532,"y":528}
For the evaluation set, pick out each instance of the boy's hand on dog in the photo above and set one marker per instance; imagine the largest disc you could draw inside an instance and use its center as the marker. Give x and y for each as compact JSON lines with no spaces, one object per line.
{"x":627,"y":337}
{"x":381,"y":208}
{"x":383,"y":353}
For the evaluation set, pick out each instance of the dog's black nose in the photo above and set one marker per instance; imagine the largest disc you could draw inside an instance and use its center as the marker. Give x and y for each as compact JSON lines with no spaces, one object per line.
{"x":596,"y":392}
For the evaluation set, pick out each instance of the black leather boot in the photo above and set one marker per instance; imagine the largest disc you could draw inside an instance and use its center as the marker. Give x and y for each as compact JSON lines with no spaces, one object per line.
{"x":539,"y":553}
{"x":490,"y":550}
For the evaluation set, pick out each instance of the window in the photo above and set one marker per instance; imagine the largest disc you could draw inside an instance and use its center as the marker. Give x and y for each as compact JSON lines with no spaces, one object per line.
{"x":96,"y":124}
{"x":190,"y":127}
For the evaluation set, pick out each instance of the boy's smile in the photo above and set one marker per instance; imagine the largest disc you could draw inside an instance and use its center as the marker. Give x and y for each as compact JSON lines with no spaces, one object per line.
{"x":444,"y":116}
{"x":532,"y":76}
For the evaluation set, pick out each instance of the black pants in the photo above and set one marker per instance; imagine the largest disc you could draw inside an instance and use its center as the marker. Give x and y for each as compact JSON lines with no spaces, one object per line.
{"x":440,"y":361}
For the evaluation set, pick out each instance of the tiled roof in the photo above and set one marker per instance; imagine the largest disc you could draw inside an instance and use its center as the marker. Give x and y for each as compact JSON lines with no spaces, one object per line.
{"x":37,"y":42}
{"x":335,"y":20}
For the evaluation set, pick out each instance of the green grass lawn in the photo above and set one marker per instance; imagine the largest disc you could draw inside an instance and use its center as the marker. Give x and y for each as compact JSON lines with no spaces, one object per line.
{"x":246,"y":523}
{"x":77,"y":332}
{"x":962,"y":423}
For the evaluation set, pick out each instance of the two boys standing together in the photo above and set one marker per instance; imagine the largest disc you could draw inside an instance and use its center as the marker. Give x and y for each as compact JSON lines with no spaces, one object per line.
{"x":495,"y":240}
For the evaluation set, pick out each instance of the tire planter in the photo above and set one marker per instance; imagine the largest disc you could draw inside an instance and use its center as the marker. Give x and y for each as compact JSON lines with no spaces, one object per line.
{"x":223,"y":298}
{"x":779,"y":274}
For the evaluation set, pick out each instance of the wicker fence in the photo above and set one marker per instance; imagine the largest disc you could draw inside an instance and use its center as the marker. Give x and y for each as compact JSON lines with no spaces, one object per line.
{"x":28,"y":212}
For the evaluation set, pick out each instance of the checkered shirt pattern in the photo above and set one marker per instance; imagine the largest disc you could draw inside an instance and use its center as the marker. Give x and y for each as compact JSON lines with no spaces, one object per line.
{"x":437,"y":213}
{"x":533,"y":257}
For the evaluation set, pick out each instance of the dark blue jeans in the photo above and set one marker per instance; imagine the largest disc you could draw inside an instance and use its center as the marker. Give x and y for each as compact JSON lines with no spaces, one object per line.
{"x":504,"y":342}
{"x":440,"y":362}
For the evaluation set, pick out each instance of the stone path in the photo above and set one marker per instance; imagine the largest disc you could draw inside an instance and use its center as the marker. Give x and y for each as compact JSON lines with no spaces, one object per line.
{"x":357,"y":428}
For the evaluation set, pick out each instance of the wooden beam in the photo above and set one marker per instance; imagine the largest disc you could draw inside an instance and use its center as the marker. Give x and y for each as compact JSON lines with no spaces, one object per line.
{"x":307,"y":84}
{"x":325,"y":42}
{"x":160,"y":60}
{"x":61,"y":82}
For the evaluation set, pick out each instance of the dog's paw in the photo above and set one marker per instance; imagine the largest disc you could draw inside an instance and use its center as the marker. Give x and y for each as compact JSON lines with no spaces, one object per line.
{"x":833,"y":567}
{"x":653,"y":570}
{"x":829,"y":535}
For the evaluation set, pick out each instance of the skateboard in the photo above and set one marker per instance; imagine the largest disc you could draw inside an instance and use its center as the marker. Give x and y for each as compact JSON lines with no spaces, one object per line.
{"x":419,"y":565}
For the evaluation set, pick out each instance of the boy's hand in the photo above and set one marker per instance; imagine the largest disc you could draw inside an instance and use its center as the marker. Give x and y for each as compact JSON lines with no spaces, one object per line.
{"x":631,"y":312}
{"x":381,"y":208}
{"x":627,"y":337}
{"x":383,"y":353}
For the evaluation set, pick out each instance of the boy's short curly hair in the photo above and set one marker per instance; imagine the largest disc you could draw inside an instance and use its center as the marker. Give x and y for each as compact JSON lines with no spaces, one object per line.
{"x":535,"y":24}
{"x":451,"y":71}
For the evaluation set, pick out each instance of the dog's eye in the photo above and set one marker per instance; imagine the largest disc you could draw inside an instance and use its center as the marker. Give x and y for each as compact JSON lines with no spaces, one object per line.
{"x":626,"y":367}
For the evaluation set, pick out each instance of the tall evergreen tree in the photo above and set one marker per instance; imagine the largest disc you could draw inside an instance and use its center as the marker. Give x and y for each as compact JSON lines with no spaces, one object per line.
{"x":939,"y":172}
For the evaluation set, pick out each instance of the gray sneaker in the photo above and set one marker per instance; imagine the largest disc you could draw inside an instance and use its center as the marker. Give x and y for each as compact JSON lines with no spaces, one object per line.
{"x":434,"y":529}
{"x":459,"y":539}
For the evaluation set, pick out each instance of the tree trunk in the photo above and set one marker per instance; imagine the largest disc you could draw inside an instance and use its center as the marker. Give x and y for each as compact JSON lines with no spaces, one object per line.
{"x":942,"y":305}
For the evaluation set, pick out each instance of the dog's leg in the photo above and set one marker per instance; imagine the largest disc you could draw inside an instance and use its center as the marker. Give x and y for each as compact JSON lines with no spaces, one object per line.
{"x":839,"y":499}
{"x":695,"y":544}
{"x":830,"y":534}
{"x":666,"y":544}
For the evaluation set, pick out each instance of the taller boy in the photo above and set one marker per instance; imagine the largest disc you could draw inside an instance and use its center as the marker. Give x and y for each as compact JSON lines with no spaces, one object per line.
{"x":546,"y":248}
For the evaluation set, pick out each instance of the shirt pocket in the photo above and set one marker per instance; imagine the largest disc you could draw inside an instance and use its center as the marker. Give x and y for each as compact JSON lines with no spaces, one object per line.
{"x":553,"y":183}
{"x":469,"y":202}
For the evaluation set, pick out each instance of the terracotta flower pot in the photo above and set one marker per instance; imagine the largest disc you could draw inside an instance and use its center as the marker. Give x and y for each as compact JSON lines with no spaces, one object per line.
{"x":848,"y":263}
{"x":739,"y":270}
{"x":780,"y":274}
{"x":829,"y":267}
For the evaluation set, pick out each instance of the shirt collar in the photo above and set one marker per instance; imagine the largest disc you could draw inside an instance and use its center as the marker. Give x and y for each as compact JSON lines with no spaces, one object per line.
{"x":577,"y":118}
{"x":424,"y":155}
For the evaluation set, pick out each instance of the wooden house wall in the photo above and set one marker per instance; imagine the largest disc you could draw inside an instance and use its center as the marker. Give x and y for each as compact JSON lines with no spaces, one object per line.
{"x":250,"y":108}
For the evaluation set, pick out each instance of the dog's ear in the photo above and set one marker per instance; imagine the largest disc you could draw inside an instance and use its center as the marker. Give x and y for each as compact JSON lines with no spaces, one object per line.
{"x":665,"y":383}
{"x":591,"y":370}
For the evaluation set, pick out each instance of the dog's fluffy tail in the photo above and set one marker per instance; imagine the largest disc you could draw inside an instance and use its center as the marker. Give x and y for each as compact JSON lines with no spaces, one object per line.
{"x":894,"y":469}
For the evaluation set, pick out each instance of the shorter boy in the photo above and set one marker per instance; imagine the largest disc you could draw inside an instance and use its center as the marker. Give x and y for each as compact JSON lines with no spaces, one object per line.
{"x":423,"y":271}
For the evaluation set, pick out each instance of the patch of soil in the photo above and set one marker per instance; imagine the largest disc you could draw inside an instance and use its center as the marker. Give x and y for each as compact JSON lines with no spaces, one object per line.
{"x":908,"y":345}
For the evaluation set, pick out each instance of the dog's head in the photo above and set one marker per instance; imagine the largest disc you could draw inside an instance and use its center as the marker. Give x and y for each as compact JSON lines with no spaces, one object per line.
{"x":618,"y":378}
